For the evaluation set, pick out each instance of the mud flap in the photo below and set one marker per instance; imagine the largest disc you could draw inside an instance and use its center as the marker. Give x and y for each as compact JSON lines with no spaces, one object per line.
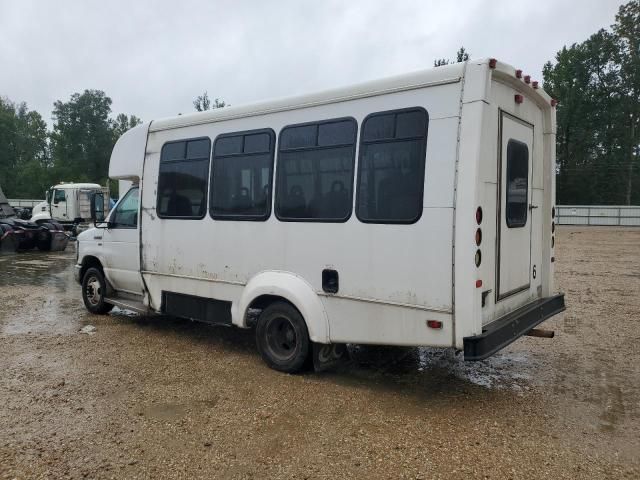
{"x":327,"y":356}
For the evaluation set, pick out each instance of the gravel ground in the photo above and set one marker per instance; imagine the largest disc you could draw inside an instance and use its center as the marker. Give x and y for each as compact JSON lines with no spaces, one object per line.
{"x":163,"y":398}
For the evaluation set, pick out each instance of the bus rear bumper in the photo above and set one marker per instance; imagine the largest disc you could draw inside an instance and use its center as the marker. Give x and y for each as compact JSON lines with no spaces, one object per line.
{"x":512,"y":326}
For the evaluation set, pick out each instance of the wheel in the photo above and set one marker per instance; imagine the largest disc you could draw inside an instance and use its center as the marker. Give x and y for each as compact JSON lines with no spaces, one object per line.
{"x":94,"y":286}
{"x":43,"y":241}
{"x":282,"y":338}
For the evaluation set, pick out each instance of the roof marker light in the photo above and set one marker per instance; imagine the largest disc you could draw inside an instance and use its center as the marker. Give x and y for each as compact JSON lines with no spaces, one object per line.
{"x":554,"y":102}
{"x":518,"y":73}
{"x":519,"y":98}
{"x":492,"y":63}
{"x":534,"y":84}
{"x":527,"y":79}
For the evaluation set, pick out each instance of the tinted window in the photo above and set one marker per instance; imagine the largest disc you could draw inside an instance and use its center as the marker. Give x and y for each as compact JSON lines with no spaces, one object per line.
{"x":125,"y":214}
{"x":315,"y":171}
{"x":241,"y":176}
{"x":59,"y":196}
{"x":517,"y":184}
{"x":182,"y":181}
{"x":392,"y":166}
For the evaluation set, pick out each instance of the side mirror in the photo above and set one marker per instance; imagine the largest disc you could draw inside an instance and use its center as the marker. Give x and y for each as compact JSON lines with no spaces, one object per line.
{"x":97,"y":207}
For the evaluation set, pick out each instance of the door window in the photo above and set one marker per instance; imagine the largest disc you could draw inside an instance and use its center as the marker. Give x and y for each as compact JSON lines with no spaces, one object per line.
{"x":125,"y":214}
{"x":58,"y":196}
{"x":517,"y":184}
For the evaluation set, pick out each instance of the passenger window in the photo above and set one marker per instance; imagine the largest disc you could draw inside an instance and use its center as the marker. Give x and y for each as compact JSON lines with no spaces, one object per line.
{"x":241,"y":176}
{"x":315,"y":171}
{"x":182,"y":180}
{"x":392,"y":166}
{"x":125,"y":214}
{"x":517,"y":184}
{"x":59,"y":196}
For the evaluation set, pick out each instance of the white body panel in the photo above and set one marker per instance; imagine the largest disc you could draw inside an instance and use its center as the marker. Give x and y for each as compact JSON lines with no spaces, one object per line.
{"x":393,"y":277}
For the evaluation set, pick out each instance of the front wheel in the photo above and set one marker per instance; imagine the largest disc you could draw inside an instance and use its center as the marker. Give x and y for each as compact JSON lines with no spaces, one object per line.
{"x":94,"y":288}
{"x":282,"y":338}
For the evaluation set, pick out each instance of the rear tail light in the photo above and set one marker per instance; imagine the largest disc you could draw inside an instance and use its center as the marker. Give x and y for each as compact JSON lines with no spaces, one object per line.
{"x":478,"y":283}
{"x":434,"y":324}
{"x":479,"y":215}
{"x":478,"y":237}
{"x":478,"y":258}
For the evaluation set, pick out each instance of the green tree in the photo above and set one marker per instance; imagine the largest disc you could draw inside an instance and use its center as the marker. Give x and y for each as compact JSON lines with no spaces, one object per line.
{"x":122,"y":123}
{"x":203,"y":103}
{"x":597,"y":84}
{"x":461,"y":56}
{"x":82,"y":137}
{"x":24,"y":153}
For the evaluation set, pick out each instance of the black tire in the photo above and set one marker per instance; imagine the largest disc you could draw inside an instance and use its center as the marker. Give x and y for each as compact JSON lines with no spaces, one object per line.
{"x":94,"y":287}
{"x":44,"y":238}
{"x":282,"y":338}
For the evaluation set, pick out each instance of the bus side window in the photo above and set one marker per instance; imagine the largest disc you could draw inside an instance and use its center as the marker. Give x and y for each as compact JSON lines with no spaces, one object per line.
{"x":182,"y":179}
{"x":391,"y":167}
{"x":241,"y":175}
{"x":315,"y":171}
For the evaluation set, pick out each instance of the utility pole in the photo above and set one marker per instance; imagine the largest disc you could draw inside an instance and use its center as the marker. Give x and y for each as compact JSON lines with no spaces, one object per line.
{"x":632,"y":158}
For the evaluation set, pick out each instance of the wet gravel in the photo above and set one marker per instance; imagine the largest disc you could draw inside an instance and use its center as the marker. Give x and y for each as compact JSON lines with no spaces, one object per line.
{"x":165,"y":398}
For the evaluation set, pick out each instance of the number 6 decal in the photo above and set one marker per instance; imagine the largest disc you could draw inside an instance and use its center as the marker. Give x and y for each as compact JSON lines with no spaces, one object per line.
{"x":534,"y":272}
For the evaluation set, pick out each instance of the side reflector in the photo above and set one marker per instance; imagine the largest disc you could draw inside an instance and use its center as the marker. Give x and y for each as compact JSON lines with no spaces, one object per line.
{"x":527,"y":79}
{"x":492,"y":63}
{"x":519,"y":98}
{"x":534,"y":84}
{"x":478,"y":283}
{"x":434,"y":324}
{"x":518,"y":73}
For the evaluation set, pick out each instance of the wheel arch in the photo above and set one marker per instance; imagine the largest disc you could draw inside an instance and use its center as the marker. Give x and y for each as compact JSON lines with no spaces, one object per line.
{"x":267,"y":287}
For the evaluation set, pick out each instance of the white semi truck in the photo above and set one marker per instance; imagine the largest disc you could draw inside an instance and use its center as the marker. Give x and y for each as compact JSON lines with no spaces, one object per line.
{"x":70,"y":205}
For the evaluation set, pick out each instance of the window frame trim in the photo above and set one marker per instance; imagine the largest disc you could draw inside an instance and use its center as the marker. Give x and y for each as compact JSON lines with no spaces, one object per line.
{"x":506,"y":193}
{"x":315,"y":148}
{"x":206,"y":195}
{"x":272,"y":155}
{"x":393,"y":140}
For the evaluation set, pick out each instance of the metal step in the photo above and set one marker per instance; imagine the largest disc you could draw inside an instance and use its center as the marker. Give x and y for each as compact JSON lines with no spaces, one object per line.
{"x":129,"y":304}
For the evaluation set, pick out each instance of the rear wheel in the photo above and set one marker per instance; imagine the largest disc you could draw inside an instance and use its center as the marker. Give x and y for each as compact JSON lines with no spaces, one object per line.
{"x":282,"y":338}
{"x":94,"y":288}
{"x":44,"y":237}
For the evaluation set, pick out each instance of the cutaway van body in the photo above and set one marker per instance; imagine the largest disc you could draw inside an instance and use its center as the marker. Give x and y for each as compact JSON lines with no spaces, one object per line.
{"x":416,"y":210}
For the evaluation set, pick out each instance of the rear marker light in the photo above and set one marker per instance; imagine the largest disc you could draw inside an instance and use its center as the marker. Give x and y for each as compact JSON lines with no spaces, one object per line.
{"x":478,"y":283}
{"x":492,"y":63}
{"x":553,"y":227}
{"x":519,"y":98}
{"x":527,"y":79}
{"x":478,"y":237}
{"x":534,"y":84}
{"x":434,"y":324}
{"x":478,"y":258}
{"x":518,"y":73}
{"x":479,"y":215}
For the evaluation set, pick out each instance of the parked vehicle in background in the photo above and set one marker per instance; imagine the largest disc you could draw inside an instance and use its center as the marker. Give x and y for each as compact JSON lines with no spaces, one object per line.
{"x":70,"y":205}
{"x":416,"y":210}
{"x":18,"y":234}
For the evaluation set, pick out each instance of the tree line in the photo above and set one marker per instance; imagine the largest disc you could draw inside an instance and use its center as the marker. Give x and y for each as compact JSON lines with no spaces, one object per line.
{"x":597,"y":84}
{"x":78,"y":148}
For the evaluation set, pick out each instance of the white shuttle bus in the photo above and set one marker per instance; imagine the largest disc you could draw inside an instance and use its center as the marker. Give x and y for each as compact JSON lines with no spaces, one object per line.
{"x":416,"y":210}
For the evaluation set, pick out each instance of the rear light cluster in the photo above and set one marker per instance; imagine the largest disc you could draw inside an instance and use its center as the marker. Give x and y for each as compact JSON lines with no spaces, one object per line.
{"x":478,"y":237}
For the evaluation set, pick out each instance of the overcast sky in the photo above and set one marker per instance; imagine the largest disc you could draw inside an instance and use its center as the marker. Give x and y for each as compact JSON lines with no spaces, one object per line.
{"x":154,"y":58}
